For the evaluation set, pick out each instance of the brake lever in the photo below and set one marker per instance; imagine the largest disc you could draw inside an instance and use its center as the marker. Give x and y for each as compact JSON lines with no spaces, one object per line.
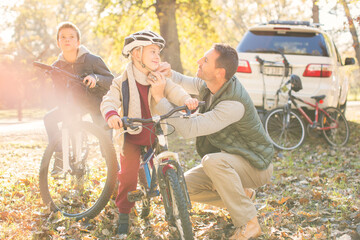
{"x":126,"y":124}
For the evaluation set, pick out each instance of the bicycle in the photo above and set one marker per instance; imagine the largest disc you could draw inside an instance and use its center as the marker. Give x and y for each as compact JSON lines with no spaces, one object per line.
{"x":89,"y":165}
{"x":271,"y":69}
{"x":161,"y":169}
{"x":285,"y":127}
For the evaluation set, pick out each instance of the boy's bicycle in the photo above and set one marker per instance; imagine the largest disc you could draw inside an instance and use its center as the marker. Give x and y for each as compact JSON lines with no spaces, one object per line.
{"x":286,"y":129}
{"x":89,"y":165}
{"x":161,"y":170}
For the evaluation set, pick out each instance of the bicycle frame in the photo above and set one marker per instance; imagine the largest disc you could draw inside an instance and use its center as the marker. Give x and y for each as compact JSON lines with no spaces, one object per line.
{"x":65,"y":133}
{"x":313,"y":124}
{"x":156,"y":171}
{"x":68,"y":165}
{"x":162,"y":161}
{"x":286,"y":129}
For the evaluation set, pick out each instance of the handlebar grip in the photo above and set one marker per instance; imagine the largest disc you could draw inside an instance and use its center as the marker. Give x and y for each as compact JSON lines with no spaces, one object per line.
{"x":127,"y":123}
{"x":43,"y":66}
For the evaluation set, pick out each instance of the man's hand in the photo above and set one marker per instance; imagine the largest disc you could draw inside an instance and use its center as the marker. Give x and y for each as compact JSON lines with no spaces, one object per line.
{"x":115,"y":122}
{"x":158,"y":82}
{"x":165,"y":68}
{"x":192,"y":103}
{"x":89,"y":81}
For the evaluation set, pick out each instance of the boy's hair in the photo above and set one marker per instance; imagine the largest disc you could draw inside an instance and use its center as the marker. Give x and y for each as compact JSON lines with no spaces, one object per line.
{"x":63,"y":25}
{"x":228,"y":59}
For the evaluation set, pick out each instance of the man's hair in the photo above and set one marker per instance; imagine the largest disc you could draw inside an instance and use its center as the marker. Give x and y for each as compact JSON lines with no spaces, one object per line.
{"x":63,"y":25}
{"x":228,"y":59}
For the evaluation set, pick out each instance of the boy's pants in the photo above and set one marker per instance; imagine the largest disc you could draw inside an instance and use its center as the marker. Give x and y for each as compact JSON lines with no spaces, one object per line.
{"x":220,"y":180}
{"x":56,"y":115}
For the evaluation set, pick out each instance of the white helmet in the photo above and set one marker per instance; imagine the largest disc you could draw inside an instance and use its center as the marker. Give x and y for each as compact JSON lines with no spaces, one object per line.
{"x":142,"y":38}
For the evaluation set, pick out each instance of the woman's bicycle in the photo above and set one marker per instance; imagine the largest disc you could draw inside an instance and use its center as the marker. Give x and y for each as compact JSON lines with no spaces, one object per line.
{"x":161,"y":174}
{"x":286,"y":129}
{"x":88,"y":173}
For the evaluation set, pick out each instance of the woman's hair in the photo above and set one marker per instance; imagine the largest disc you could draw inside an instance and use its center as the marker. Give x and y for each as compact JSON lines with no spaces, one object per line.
{"x":63,"y":25}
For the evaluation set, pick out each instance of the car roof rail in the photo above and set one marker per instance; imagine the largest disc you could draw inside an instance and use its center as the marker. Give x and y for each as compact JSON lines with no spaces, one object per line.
{"x":288,"y":22}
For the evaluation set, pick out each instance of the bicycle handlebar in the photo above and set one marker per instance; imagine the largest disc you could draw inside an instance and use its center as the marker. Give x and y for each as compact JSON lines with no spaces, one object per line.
{"x":53,"y":68}
{"x":128,"y":122}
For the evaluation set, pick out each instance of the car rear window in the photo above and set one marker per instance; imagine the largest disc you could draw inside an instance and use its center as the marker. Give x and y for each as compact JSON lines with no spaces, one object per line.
{"x":312,"y":44}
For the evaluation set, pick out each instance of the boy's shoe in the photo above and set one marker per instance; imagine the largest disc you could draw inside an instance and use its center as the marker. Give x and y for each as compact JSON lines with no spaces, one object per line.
{"x":123,"y":227}
{"x":58,"y":164}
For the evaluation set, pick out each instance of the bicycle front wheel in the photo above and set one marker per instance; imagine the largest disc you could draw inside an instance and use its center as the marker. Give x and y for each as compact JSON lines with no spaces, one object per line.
{"x":83,"y":190}
{"x":178,"y":205}
{"x":285,"y":131}
{"x":338,"y":136}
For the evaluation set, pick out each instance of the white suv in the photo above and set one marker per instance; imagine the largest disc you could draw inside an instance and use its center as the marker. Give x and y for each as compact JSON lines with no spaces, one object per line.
{"x":292,"y":47}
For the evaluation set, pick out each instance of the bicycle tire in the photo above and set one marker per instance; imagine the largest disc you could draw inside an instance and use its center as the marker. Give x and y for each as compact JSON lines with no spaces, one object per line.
{"x":97,"y":185}
{"x":336,"y":137}
{"x":282,"y":137}
{"x":180,"y":214}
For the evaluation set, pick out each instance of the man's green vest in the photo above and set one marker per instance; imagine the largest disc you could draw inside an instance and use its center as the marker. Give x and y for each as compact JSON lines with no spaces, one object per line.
{"x":245,"y":137}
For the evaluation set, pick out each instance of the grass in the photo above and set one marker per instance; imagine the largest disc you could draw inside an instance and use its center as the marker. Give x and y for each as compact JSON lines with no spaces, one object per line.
{"x":314,"y":194}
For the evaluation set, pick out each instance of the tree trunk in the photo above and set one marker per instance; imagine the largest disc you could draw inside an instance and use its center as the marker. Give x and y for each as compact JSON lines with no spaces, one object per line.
{"x":165,"y":11}
{"x":315,"y":11}
{"x":352,"y":31}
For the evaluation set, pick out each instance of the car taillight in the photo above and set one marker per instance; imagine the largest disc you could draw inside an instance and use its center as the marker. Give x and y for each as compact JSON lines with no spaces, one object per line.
{"x":318,"y":70}
{"x":244,"y":66}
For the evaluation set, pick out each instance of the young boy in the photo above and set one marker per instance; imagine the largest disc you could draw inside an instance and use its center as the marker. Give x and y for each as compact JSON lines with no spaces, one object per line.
{"x":131,"y":94}
{"x":76,"y":59}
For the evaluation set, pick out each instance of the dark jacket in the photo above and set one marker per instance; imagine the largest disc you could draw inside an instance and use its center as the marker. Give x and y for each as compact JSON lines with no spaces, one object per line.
{"x":85,"y":64}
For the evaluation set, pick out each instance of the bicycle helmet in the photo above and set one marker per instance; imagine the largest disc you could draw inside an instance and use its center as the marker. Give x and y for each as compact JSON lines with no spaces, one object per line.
{"x":295,"y":81}
{"x":142,"y":38}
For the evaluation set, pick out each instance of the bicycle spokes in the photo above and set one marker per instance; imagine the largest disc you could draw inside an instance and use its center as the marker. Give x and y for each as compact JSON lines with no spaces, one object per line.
{"x":78,"y":187}
{"x":285,"y":130}
{"x":335,"y":127}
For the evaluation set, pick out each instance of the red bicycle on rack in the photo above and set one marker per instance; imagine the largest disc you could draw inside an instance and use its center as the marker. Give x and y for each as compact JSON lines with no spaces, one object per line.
{"x":286,"y":128}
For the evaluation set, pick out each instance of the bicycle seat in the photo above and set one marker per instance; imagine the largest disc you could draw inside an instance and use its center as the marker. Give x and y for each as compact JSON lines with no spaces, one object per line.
{"x":318,"y":98}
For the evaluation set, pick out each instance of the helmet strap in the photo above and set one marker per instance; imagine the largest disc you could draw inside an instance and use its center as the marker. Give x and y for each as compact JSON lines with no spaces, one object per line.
{"x":141,"y":63}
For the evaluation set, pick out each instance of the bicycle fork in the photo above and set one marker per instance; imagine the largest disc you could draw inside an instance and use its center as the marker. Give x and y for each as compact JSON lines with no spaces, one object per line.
{"x":170,"y":160}
{"x":77,"y":149}
{"x":287,"y":111}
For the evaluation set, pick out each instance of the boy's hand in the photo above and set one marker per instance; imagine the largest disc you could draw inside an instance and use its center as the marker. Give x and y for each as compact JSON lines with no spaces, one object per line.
{"x":89,"y":81}
{"x":192,"y":103}
{"x":115,"y":122}
{"x":165,"y":68}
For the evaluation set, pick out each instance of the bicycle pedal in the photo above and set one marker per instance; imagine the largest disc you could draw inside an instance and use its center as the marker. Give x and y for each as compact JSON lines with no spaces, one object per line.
{"x":136,"y":195}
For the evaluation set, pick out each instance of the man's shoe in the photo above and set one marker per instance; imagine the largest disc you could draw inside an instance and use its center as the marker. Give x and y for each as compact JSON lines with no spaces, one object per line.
{"x":123,"y":227}
{"x":250,"y":193}
{"x":251,"y":230}
{"x":58,"y":164}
